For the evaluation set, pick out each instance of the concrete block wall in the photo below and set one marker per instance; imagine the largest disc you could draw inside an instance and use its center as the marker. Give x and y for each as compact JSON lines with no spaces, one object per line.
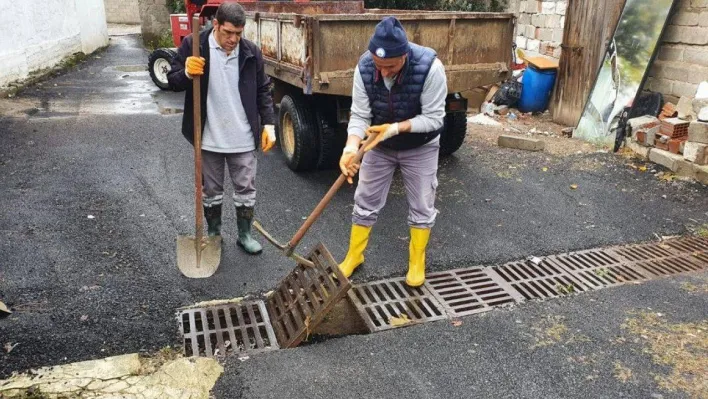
{"x":682,"y":62}
{"x":539,"y":29}
{"x":122,"y":11}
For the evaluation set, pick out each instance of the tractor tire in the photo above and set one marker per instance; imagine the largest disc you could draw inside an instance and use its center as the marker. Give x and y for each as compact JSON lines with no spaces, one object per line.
{"x":331,"y":138}
{"x":159,"y":64}
{"x":298,"y":133}
{"x":454,"y":132}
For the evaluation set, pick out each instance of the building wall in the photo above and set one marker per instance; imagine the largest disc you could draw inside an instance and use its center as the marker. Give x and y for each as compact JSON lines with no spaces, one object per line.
{"x":154,"y":19}
{"x":50,"y":31}
{"x":122,"y":11}
{"x":540,"y":24}
{"x":682,"y":62}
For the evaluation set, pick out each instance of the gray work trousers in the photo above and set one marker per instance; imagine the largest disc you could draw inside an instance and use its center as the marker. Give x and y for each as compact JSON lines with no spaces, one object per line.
{"x":419,"y":168}
{"x":242,"y":169}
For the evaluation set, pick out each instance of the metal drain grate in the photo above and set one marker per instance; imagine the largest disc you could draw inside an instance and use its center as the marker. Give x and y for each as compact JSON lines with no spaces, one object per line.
{"x":305,"y":296}
{"x":233,"y":328}
{"x":637,"y":253}
{"x":598,"y":268}
{"x":391,"y":303}
{"x":539,"y":281}
{"x":468,"y":291}
{"x":689,"y":245}
{"x":667,"y":267}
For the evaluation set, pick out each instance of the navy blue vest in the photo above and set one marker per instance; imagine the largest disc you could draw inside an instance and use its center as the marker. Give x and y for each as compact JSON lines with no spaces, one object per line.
{"x":402,"y":102}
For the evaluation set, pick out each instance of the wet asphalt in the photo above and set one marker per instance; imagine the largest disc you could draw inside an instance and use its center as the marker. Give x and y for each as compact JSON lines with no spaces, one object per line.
{"x":97,"y":184}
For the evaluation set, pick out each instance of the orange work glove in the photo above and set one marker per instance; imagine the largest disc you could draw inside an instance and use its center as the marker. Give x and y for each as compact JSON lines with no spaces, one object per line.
{"x":268,"y":138}
{"x":346,"y":163}
{"x":195,"y":66}
{"x":385,"y":132}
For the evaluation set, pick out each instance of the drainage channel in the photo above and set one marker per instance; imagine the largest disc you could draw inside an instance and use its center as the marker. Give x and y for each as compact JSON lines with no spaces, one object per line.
{"x":321,"y":297}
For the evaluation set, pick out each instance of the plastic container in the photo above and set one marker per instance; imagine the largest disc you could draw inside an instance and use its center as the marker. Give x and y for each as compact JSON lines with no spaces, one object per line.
{"x":537,"y":88}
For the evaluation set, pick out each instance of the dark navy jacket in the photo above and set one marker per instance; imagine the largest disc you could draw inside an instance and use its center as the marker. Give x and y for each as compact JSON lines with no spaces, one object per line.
{"x":254,"y":86}
{"x":402,"y":102}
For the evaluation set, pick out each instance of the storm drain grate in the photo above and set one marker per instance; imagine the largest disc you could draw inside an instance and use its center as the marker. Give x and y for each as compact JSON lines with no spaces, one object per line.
{"x":305,"y":296}
{"x":539,"y":280}
{"x":689,"y":245}
{"x":232,"y":328}
{"x":391,"y":303}
{"x":468,"y":291}
{"x":675,"y":265}
{"x":637,"y":253}
{"x":598,"y":268}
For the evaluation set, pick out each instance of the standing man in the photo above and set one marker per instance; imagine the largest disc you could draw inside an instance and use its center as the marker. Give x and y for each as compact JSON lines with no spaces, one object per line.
{"x":236,"y":101}
{"x":399,"y":92}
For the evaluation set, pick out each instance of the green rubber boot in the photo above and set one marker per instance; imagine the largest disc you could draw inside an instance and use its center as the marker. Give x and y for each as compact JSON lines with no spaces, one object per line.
{"x":213,"y":218}
{"x":244,"y":221}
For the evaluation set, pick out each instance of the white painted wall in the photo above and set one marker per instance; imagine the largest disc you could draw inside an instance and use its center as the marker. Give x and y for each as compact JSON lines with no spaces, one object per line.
{"x":43,"y":32}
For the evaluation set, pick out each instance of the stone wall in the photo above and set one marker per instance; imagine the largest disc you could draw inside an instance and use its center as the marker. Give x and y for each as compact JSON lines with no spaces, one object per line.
{"x":540,"y":26}
{"x":682,"y":62}
{"x":122,"y":11}
{"x":154,"y":19}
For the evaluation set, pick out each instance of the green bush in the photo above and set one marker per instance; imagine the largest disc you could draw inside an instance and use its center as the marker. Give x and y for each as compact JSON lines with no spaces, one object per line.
{"x":176,"y":6}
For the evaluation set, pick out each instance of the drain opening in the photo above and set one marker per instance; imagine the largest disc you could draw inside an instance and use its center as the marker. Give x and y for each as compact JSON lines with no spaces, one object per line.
{"x":305,"y":296}
{"x":227,"y":329}
{"x":391,"y":303}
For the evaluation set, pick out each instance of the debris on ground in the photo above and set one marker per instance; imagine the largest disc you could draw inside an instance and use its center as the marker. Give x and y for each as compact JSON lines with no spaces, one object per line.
{"x":4,"y":310}
{"x":681,"y":346}
{"x":125,"y":376}
{"x":483,"y":120}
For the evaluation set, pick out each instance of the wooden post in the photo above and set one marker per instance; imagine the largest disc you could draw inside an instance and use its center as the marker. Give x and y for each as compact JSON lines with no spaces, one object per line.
{"x":585,"y":22}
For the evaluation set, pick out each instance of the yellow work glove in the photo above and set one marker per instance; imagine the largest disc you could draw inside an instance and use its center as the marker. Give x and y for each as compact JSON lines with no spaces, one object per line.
{"x":346,"y":163}
{"x":385,"y":132}
{"x":195,"y":66}
{"x":268,"y":138}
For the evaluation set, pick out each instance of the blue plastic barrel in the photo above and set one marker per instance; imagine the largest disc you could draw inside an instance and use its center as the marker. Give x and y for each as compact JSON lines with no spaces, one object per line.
{"x":537,"y":87}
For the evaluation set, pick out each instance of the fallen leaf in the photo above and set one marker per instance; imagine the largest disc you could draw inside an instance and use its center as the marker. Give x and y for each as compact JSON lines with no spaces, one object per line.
{"x":456,"y":323}
{"x":642,"y":168}
{"x":3,"y":309}
{"x":545,"y":169}
{"x":573,"y":186}
{"x":399,"y":321}
{"x":10,"y":346}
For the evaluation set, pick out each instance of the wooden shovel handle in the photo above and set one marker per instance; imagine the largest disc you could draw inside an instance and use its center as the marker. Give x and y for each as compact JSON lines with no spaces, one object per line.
{"x":197,"y":100}
{"x":326,"y":199}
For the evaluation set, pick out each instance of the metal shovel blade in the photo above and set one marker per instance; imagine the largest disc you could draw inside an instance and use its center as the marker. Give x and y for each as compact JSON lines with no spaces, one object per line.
{"x":194,"y":263}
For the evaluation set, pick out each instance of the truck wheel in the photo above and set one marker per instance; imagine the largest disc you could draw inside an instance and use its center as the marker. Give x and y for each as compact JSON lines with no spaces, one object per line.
{"x":159,"y":64}
{"x":331,"y":139}
{"x":453,"y":134}
{"x":298,"y":133}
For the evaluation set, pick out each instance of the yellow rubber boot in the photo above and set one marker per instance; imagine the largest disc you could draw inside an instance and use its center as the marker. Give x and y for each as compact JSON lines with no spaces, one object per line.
{"x":357,"y":245}
{"x":416,"y":262}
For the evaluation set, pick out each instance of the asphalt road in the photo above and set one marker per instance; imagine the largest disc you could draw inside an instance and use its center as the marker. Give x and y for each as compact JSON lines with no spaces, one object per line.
{"x":97,"y":184}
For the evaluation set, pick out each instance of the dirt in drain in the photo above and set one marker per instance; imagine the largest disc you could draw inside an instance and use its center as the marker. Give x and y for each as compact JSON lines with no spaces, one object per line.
{"x":341,"y":321}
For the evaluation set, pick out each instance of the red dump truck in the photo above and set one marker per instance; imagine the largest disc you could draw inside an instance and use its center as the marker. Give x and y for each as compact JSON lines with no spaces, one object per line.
{"x":312,"y":48}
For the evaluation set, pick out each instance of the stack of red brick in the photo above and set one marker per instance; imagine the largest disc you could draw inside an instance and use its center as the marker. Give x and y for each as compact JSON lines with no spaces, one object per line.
{"x":674,"y":135}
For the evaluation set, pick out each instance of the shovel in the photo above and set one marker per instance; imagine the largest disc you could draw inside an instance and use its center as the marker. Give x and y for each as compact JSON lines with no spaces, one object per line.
{"x":198,"y":256}
{"x":289,"y":248}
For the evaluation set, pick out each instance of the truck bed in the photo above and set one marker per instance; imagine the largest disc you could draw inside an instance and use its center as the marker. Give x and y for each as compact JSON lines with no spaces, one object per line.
{"x":316,"y":46}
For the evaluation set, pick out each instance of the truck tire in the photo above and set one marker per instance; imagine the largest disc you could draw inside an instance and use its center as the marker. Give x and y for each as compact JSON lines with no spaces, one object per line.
{"x":298,"y":133}
{"x":159,"y":64}
{"x":331,"y":138}
{"x":454,"y":132}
